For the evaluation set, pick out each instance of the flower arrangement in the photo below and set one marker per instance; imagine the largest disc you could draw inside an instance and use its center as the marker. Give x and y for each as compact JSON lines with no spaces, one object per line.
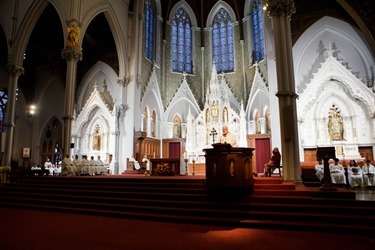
{"x":162,"y":169}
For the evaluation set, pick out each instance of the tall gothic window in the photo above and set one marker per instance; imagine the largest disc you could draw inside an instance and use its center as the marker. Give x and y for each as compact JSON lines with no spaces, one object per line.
{"x":150,"y":29}
{"x":222,"y":37}
{"x":256,"y":14}
{"x":3,"y":102}
{"x":181,"y":42}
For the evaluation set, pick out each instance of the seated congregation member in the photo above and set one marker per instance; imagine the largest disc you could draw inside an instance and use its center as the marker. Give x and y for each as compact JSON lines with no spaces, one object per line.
{"x":273,"y":163}
{"x":49,"y":166}
{"x":92,"y":168}
{"x":355,"y":176}
{"x":67,"y":166}
{"x":337,"y":172}
{"x":77,"y":165}
{"x":368,"y":171}
{"x":319,"y":169}
{"x":85,"y":163}
{"x":227,"y":137}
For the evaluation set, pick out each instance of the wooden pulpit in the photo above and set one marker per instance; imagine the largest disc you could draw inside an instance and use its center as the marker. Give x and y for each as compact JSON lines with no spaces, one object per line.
{"x":229,"y":168}
{"x":326,"y":153}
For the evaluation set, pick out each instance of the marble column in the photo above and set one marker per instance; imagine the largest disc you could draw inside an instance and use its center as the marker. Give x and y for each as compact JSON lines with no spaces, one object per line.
{"x":280,"y":12}
{"x":71,"y":55}
{"x":15,"y":71}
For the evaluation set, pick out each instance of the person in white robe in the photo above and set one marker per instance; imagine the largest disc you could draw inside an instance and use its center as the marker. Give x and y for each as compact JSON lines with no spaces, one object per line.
{"x":337,"y":172}
{"x":319,"y":170}
{"x":146,"y":162}
{"x":67,"y":166}
{"x":368,"y":171}
{"x":92,"y":168}
{"x":85,"y":165}
{"x":355,"y":177}
{"x":227,"y":137}
{"x":49,"y":166}
{"x":100,"y":169}
{"x":136,"y":163}
{"x":77,"y":165}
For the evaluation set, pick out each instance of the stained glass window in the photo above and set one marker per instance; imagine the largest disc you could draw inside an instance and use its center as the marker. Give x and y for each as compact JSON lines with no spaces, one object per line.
{"x":222,"y":39}
{"x":150,"y":29}
{"x":256,"y":13}
{"x":3,"y":102}
{"x":181,"y":42}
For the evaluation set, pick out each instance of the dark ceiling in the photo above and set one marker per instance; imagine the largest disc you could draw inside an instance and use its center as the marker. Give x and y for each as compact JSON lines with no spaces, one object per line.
{"x":43,"y":51}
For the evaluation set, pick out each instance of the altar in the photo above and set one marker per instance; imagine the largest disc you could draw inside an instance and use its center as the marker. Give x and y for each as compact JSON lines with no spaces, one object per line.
{"x":165,"y":166}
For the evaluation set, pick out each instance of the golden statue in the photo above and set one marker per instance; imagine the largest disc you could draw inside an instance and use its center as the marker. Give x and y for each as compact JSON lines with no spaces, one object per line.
{"x":73,"y":34}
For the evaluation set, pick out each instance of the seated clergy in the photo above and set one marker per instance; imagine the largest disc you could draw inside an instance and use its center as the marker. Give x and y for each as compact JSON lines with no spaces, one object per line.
{"x":337,"y":172}
{"x":92,"y":168}
{"x":85,"y":165}
{"x":67,"y":166}
{"x":136,"y":163}
{"x":355,"y":176}
{"x":100,"y":169}
{"x":368,"y":171}
{"x":319,"y":169}
{"x":77,"y":165}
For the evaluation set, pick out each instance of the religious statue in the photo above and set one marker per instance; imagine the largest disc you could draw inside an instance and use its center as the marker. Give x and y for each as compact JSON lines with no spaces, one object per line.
{"x":335,"y":124}
{"x":215,"y":112}
{"x":73,"y":34}
{"x":97,"y":139}
{"x":176,"y":128}
{"x":207,"y":116}
{"x":225,"y":115}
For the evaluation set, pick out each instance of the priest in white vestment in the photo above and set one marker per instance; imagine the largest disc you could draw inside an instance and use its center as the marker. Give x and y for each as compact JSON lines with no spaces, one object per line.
{"x":67,"y":166}
{"x":92,"y":168}
{"x":319,"y":170}
{"x":355,"y":176}
{"x":77,"y":165}
{"x":85,"y":165}
{"x":337,"y":172}
{"x":368,"y":171}
{"x":49,"y":166}
{"x":227,"y":137}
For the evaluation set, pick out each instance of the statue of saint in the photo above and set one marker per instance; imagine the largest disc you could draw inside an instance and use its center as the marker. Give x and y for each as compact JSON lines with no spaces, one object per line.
{"x":176,"y":129}
{"x":96,"y":140}
{"x":73,"y":35}
{"x":335,"y":124}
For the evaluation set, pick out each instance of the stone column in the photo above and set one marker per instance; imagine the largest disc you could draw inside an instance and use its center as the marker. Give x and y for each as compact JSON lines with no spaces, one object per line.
{"x":15,"y":71}
{"x":281,"y":11}
{"x":72,"y":53}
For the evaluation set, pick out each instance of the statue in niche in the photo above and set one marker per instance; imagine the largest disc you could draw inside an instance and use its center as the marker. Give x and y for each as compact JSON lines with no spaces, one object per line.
{"x":225,"y":115}
{"x":215,"y":112}
{"x":73,"y":34}
{"x":335,"y":124}
{"x":97,"y":139}
{"x":207,"y":115}
{"x":176,"y":128}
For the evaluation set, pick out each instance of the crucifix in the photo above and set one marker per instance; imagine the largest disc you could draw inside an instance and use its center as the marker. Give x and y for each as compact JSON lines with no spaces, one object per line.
{"x":213,"y":133}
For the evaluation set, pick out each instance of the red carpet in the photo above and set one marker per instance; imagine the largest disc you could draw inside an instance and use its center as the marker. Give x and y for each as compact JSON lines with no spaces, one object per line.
{"x":25,"y":229}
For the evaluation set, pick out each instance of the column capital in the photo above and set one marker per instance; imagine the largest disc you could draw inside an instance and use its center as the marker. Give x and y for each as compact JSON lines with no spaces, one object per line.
{"x":280,"y":8}
{"x":71,"y":54}
{"x":125,"y":81}
{"x":14,"y":69}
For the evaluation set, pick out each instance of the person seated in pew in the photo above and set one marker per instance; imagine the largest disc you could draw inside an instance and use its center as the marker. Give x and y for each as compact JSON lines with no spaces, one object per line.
{"x":85,"y":165}
{"x":368,"y":171}
{"x":337,"y":172}
{"x":355,"y":177}
{"x":319,"y":170}
{"x":92,"y":168}
{"x":77,"y":165}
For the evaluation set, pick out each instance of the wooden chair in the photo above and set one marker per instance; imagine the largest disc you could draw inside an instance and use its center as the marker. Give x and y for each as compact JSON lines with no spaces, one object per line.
{"x":271,"y":169}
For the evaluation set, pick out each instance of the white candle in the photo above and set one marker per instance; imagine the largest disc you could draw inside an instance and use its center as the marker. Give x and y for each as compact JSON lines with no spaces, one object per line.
{"x":154,"y":155}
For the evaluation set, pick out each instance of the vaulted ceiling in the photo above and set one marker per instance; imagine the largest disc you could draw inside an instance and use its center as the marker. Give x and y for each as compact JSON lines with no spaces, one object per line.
{"x":43,"y":51}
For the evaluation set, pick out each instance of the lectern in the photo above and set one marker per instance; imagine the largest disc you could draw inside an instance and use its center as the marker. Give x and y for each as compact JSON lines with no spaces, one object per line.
{"x":326,"y":153}
{"x":229,"y":168}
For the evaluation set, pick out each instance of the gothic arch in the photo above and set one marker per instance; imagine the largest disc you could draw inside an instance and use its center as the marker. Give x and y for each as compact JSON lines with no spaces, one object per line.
{"x":184,"y":5}
{"x":220,"y":4}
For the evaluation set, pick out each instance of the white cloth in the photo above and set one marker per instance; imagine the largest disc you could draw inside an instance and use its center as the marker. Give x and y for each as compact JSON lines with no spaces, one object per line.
{"x":319,"y":171}
{"x":78,"y":166}
{"x":136,"y":163}
{"x":355,"y":176}
{"x":337,"y":174}
{"x":368,"y":172}
{"x":49,"y":166}
{"x":228,"y":138}
{"x":85,"y":166}
{"x":100,"y":169}
{"x":92,"y":168}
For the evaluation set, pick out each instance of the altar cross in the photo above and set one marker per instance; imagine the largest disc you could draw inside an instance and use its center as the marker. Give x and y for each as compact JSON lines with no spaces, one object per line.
{"x":213,"y":133}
